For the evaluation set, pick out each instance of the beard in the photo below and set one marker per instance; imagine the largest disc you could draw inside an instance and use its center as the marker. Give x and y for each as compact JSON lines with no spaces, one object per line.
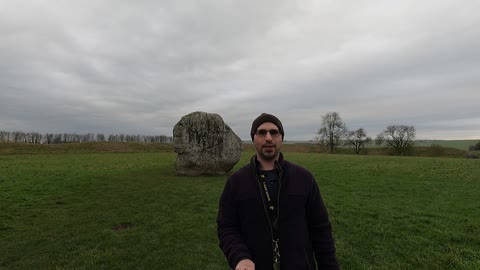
{"x":269,"y":155}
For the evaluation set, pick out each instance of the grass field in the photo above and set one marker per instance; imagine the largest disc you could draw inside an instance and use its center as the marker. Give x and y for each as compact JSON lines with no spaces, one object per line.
{"x":458,"y":144}
{"x":94,"y":209}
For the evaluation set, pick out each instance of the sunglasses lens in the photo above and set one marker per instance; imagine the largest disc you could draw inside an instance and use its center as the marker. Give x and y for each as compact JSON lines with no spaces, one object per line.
{"x":273,"y":132}
{"x":262,"y":132}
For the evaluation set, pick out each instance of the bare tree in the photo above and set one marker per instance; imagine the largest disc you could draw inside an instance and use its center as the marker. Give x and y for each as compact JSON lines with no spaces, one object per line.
{"x":5,"y":136}
{"x":332,"y":131}
{"x":57,"y":138}
{"x":100,"y":137}
{"x":399,"y":138}
{"x":49,"y":138}
{"x":36,"y":137}
{"x":18,"y":136}
{"x":358,"y":139}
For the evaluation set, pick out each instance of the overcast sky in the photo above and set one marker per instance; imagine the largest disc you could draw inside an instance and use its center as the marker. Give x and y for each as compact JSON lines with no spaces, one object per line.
{"x":137,"y":67}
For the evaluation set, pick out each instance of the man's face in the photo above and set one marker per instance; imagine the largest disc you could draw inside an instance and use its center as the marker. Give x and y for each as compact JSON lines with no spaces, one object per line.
{"x":267,"y":141}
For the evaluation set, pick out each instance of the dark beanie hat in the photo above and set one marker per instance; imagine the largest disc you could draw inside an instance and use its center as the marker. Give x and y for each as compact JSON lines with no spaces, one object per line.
{"x":263,"y":118}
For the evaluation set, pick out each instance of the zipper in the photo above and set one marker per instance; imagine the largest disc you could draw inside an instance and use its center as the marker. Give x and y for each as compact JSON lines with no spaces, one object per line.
{"x":280,"y":175}
{"x":306,"y":258}
{"x":265,"y":210}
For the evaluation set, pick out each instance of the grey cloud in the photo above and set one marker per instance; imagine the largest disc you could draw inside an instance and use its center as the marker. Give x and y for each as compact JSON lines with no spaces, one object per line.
{"x":137,"y":67}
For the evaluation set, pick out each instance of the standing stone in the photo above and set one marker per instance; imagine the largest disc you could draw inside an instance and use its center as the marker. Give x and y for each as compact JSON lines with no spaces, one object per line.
{"x":205,"y":145}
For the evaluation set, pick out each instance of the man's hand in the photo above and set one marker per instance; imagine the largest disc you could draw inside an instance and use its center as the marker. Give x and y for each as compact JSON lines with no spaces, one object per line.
{"x":245,"y":265}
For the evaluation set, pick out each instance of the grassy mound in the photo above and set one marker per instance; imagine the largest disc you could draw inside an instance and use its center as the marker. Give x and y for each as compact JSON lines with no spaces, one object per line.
{"x":85,"y":147}
{"x":135,"y":147}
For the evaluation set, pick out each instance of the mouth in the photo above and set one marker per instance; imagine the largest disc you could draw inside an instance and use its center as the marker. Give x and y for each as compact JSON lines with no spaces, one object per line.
{"x":268,"y":147}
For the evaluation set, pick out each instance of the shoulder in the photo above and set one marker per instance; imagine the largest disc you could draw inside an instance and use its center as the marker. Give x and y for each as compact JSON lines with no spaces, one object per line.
{"x":242,"y":183}
{"x":297,"y":180}
{"x":244,"y":171}
{"x":295,"y":169}
{"x":241,"y":176}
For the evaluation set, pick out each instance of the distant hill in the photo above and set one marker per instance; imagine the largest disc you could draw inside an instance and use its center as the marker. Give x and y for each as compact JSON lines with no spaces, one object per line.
{"x":84,"y":147}
{"x":449,"y":148}
{"x":458,"y":144}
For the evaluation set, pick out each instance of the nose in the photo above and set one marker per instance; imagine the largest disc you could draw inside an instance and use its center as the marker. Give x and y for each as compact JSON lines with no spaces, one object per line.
{"x":268,"y":136}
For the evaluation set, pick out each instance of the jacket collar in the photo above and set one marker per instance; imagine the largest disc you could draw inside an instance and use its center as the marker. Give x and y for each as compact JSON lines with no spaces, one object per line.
{"x":278,"y":164}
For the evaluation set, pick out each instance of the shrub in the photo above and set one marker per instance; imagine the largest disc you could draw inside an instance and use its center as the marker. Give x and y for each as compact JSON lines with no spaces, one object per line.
{"x":477,"y":146}
{"x":436,"y":150}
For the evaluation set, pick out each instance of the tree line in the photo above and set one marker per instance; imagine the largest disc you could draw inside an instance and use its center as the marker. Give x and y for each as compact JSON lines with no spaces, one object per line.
{"x":57,"y":138}
{"x":334,"y":133}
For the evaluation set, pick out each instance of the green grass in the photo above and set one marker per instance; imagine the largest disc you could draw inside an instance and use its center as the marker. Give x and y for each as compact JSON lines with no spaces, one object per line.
{"x":401,"y":213}
{"x":59,"y":210}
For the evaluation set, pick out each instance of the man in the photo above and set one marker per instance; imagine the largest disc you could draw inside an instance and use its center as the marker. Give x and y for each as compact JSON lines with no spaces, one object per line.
{"x":271,"y":214}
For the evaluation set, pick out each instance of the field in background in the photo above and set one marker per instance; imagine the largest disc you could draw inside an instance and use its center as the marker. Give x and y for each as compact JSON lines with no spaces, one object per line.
{"x":116,"y":206}
{"x":420,"y":151}
{"x":84,"y":147}
{"x":454,"y":148}
{"x":458,"y":144}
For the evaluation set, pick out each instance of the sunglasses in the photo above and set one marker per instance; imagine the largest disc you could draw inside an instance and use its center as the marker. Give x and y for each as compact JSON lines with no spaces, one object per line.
{"x":263,"y":132}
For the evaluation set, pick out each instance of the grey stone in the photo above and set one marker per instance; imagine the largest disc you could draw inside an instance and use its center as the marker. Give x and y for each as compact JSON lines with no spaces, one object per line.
{"x":205,"y":145}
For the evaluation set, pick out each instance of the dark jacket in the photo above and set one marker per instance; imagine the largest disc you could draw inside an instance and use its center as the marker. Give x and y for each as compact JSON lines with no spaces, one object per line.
{"x":244,"y":227}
